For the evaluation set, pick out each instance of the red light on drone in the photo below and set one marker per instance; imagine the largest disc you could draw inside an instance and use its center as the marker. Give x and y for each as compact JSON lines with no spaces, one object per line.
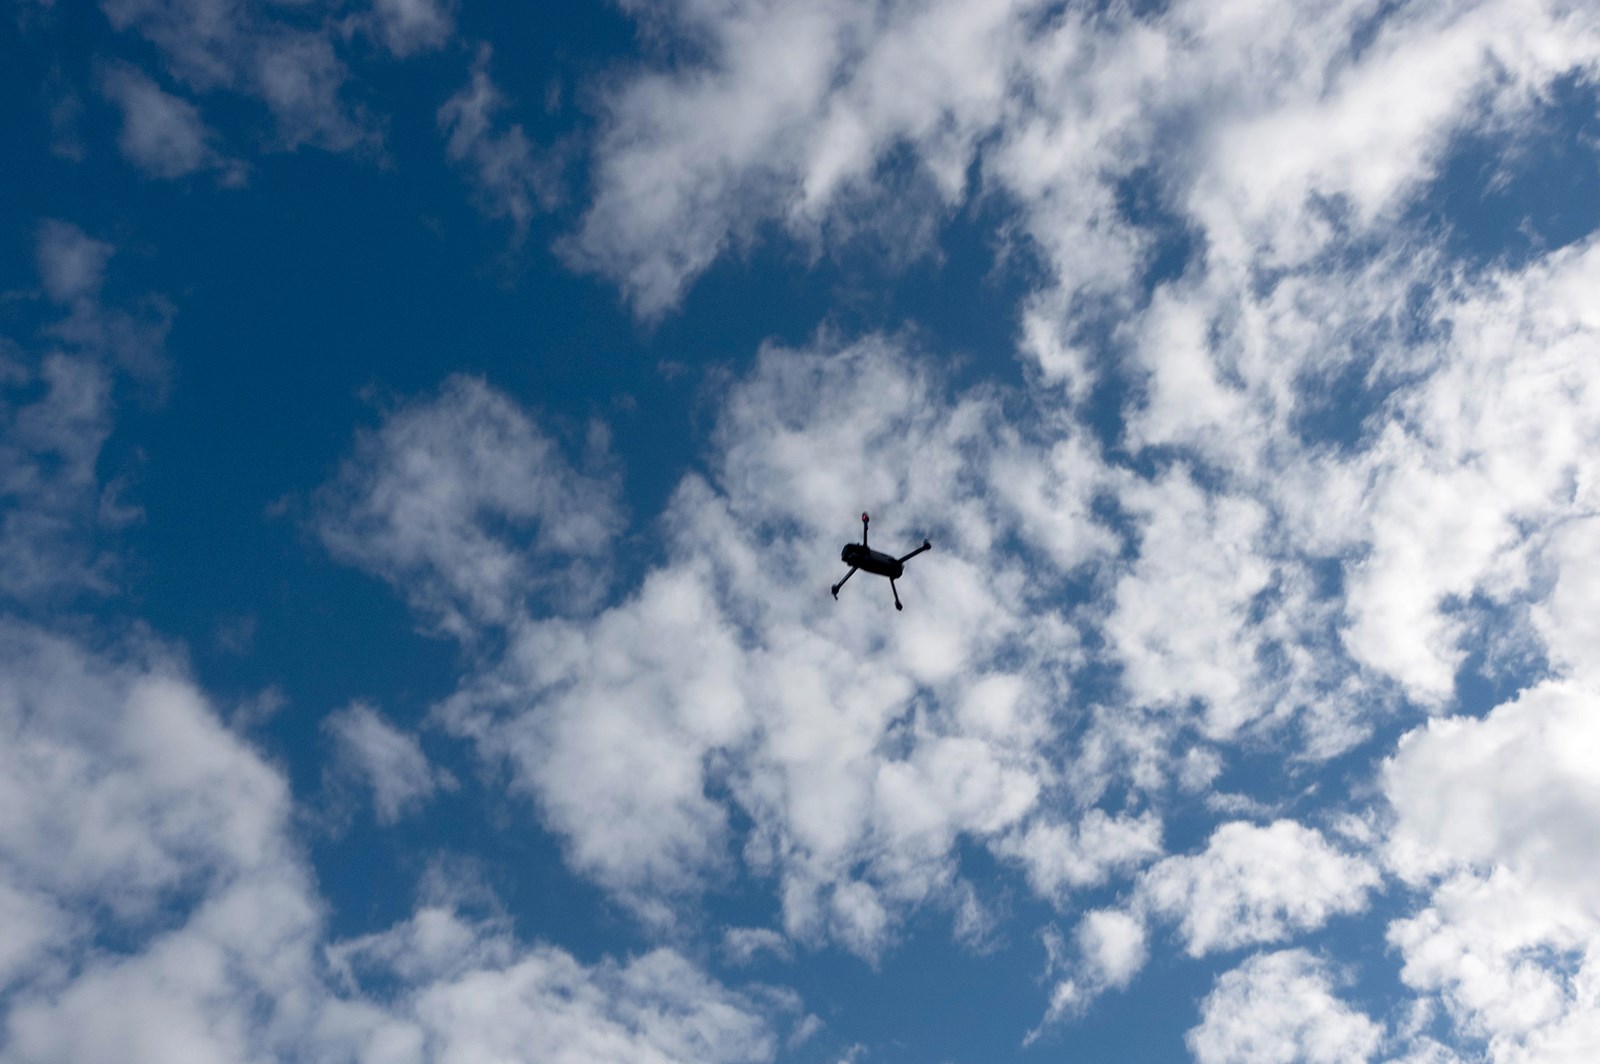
{"x":864,"y":516}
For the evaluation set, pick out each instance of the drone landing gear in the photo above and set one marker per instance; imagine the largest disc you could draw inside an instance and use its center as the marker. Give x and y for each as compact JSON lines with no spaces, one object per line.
{"x":840,"y":584}
{"x":896,"y":595}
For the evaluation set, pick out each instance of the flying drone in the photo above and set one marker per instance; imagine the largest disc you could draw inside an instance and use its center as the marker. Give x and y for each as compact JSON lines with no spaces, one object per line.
{"x":861,"y":556}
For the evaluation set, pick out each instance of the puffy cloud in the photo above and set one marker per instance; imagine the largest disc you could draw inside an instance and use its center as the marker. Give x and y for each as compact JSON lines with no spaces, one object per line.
{"x":1255,"y":884}
{"x":1439,"y":513}
{"x":1250,"y":885}
{"x":100,"y":777}
{"x":474,"y":993}
{"x":1283,"y":173}
{"x":1566,"y":619}
{"x":1272,"y":560}
{"x":1285,"y":169}
{"x":409,"y":26}
{"x":742,"y":945}
{"x":1499,"y":820}
{"x":1182,"y":619}
{"x":628,"y":711}
{"x":139,"y":817}
{"x":154,"y":905}
{"x":1111,"y":947}
{"x":793,"y":109}
{"x":1512,"y":789}
{"x":729,"y":682}
{"x":1280,"y":1008}
{"x":465,"y":503}
{"x":1059,"y":857}
{"x":1274,"y":132}
{"x":386,"y":759}
{"x":71,"y":263}
{"x":1488,"y":456}
{"x":162,"y":134}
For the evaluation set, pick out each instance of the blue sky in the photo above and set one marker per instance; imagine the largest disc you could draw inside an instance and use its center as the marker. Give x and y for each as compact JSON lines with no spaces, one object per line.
{"x":427,"y":433}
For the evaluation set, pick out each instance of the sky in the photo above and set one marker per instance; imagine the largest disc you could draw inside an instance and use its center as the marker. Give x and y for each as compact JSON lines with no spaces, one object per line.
{"x":427,"y":434}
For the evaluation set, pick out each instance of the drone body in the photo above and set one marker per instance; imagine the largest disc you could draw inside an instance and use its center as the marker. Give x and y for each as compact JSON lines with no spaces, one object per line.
{"x":861,"y":556}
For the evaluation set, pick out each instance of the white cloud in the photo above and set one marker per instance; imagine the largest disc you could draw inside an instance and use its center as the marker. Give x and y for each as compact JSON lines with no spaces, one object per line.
{"x":134,"y":817}
{"x":100,"y":776}
{"x":1280,"y":1008}
{"x":1113,"y":946}
{"x":510,"y":181}
{"x":413,"y":502}
{"x":791,"y":113}
{"x":1499,"y":820}
{"x":155,"y":904}
{"x":1513,"y":789}
{"x":301,"y":80}
{"x":409,"y":26}
{"x":1488,"y":454}
{"x":71,"y":263}
{"x":743,"y":945}
{"x":476,"y":994}
{"x":1254,"y":884}
{"x":49,"y":446}
{"x":1566,"y":619}
{"x":162,"y":134}
{"x":35,"y":927}
{"x":1181,"y":619}
{"x":1062,"y":856}
{"x":1273,"y":578}
{"x":213,"y":45}
{"x":55,"y":416}
{"x":1250,"y":885}
{"x":1274,"y":130}
{"x":1474,"y":451}
{"x":387,"y":760}
{"x":139,"y":816}
{"x":862,"y":753}
{"x":1290,"y":153}
{"x":1267,"y":134}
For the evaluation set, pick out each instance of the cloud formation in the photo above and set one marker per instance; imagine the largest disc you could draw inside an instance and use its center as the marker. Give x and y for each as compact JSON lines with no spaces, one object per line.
{"x":218,"y":924}
{"x":388,"y":761}
{"x":467,"y":505}
{"x":56,"y":409}
{"x":1287,"y":480}
{"x":163,"y":134}
{"x":1279,"y":1008}
{"x":511,"y":178}
{"x":862,"y":756}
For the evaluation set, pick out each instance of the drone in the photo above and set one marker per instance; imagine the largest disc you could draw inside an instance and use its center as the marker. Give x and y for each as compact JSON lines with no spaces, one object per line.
{"x":861,"y":556}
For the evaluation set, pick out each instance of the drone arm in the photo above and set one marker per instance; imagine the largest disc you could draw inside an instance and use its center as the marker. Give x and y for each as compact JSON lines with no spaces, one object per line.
{"x":925,"y":546}
{"x":836,"y":587}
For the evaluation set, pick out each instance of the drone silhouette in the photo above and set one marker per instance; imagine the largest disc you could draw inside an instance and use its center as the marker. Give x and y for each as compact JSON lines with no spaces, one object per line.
{"x":861,"y":556}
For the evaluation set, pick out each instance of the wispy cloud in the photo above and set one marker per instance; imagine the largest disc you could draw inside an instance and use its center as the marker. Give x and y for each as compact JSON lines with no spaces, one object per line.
{"x":163,"y":134}
{"x":462,"y":500}
{"x":512,"y":178}
{"x":56,"y":412}
{"x":216,"y":45}
{"x":388,"y":761}
{"x":132,"y":812}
